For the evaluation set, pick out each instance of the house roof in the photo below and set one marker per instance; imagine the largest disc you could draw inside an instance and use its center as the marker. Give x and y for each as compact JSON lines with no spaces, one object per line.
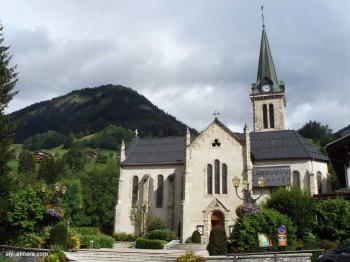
{"x":271,"y":145}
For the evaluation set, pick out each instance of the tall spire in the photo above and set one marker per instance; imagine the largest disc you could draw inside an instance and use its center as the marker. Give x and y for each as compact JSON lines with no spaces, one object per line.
{"x":266,"y":70}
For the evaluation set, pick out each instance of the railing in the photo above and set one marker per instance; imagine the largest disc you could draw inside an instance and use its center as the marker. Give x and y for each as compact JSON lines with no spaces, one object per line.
{"x":315,"y":253}
{"x":19,"y":253}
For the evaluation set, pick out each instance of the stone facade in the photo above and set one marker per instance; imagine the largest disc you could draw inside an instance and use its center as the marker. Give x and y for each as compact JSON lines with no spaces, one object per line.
{"x":278,"y":102}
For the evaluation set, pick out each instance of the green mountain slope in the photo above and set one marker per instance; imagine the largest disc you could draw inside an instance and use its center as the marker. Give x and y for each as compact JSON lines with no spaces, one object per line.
{"x":92,"y":109}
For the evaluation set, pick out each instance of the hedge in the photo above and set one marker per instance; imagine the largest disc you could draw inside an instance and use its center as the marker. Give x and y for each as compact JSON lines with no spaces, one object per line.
{"x":161,"y":234}
{"x":87,"y":230}
{"x":122,"y":236}
{"x":100,"y":241}
{"x":150,"y":243}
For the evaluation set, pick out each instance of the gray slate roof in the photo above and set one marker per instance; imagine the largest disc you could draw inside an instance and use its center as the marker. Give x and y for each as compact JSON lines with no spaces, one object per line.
{"x":155,"y":150}
{"x":273,"y":145}
{"x":284,"y":144}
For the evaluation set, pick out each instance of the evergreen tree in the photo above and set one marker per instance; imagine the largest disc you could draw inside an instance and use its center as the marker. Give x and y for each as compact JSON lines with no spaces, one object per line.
{"x":26,"y":163}
{"x":8,"y":79}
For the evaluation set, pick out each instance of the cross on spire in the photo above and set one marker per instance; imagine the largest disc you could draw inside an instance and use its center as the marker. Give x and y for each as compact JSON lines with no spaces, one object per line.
{"x":136,"y":132}
{"x":216,"y":113}
{"x":262,"y":16}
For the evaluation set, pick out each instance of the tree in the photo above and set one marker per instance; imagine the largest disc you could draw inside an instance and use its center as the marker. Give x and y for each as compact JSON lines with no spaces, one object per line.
{"x":100,"y":196}
{"x":333,"y":217}
{"x":25,"y":210}
{"x":75,"y":158}
{"x":26,"y":163}
{"x":321,"y":134}
{"x":296,"y":204}
{"x":8,"y":79}
{"x":50,"y":170}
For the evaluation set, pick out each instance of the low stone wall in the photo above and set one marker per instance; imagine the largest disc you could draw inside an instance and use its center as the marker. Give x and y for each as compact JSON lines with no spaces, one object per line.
{"x":294,"y":257}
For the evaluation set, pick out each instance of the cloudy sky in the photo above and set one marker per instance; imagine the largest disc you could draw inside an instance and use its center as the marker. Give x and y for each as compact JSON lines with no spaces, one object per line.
{"x":188,"y":57}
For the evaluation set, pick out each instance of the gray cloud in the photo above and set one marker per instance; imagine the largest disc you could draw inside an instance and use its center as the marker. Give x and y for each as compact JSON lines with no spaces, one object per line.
{"x":189,"y":58}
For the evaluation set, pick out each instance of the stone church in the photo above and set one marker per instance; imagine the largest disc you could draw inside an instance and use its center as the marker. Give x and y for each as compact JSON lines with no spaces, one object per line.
{"x":186,"y":181}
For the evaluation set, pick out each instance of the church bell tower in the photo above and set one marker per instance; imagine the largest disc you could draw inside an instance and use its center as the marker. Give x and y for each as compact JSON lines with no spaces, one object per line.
{"x":267,"y":95}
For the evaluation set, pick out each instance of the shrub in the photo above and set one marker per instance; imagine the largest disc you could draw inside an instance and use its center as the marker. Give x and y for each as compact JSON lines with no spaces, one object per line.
{"x":73,"y":242}
{"x":217,"y":241}
{"x":297,"y":205}
{"x":122,"y":236}
{"x":196,"y":237}
{"x":99,"y":241}
{"x":244,"y":237}
{"x":142,"y":242}
{"x":29,"y":240}
{"x":333,"y":219}
{"x":7,"y":259}
{"x":55,"y":255}
{"x":161,"y":234}
{"x":155,"y":224}
{"x":190,"y":257}
{"x":59,"y":235}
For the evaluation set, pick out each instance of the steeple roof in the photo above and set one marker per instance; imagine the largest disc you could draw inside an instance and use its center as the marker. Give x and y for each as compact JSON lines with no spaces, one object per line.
{"x":266,"y":69}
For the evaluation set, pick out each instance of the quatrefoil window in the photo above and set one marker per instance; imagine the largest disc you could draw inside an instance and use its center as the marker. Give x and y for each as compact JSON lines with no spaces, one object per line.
{"x":216,"y":143}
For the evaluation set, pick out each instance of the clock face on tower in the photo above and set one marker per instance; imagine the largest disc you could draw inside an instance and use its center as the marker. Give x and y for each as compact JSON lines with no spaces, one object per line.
{"x":266,"y":88}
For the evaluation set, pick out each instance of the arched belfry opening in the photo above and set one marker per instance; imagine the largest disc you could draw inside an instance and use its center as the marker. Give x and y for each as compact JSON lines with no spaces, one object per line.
{"x":217,"y":219}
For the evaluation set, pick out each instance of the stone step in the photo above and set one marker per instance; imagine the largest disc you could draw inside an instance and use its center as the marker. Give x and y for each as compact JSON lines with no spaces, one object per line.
{"x":115,"y":255}
{"x":189,"y":246}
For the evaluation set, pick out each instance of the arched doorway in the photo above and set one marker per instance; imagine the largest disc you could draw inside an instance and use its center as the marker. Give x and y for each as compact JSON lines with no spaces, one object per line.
{"x":217,"y":219}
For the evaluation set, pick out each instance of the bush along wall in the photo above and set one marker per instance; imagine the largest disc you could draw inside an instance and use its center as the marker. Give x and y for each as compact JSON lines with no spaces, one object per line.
{"x":244,"y":237}
{"x":145,"y":243}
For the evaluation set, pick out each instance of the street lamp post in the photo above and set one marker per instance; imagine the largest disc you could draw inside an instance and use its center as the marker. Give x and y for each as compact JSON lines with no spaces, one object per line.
{"x":247,"y":193}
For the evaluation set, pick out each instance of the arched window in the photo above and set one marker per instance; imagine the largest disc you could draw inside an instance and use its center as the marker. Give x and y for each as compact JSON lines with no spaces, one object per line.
{"x":272,"y":116}
{"x":160,"y":187}
{"x":265,"y":116}
{"x":296,"y":179}
{"x":224,"y":178}
{"x":209,"y":179}
{"x":217,"y":176}
{"x":135,"y":189}
{"x":307,"y":180}
{"x":319,"y":182}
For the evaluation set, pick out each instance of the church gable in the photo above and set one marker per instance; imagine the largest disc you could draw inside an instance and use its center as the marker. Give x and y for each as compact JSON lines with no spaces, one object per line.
{"x":216,"y":136}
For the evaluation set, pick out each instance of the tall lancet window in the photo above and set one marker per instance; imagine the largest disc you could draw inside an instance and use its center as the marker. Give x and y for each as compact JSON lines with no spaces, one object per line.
{"x":209,"y":179}
{"x":217,"y":176}
{"x":224,"y":178}
{"x":160,"y":190}
{"x":265,"y":121}
{"x":272,"y":116}
{"x":135,"y":189}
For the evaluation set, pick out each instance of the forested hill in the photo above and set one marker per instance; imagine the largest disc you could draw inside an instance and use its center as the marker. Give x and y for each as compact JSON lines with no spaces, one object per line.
{"x":91,"y":109}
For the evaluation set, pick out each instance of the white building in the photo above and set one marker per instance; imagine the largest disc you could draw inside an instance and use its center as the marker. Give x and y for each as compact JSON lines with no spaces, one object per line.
{"x":186,"y":181}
